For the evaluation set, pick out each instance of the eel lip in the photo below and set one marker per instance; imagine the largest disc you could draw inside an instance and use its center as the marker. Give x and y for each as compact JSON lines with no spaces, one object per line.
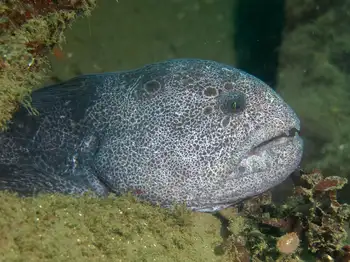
{"x":290,"y":133}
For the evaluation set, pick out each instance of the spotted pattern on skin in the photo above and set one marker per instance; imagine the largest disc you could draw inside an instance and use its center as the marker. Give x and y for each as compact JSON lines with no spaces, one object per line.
{"x":180,"y":131}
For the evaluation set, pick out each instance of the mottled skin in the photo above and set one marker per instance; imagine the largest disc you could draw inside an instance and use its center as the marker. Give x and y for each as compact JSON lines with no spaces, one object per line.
{"x":185,"y":130}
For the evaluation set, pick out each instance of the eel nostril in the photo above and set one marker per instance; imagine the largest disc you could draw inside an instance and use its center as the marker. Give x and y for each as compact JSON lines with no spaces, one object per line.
{"x":292,"y":132}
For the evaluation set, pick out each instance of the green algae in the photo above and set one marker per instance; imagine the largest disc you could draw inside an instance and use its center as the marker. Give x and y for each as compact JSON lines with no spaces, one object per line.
{"x":57,"y":228}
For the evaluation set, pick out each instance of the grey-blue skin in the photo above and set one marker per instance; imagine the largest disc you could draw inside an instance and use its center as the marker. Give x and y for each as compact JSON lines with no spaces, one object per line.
{"x":181,"y":131}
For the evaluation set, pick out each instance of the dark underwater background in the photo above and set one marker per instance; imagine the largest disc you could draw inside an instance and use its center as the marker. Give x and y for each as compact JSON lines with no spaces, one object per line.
{"x":301,"y":48}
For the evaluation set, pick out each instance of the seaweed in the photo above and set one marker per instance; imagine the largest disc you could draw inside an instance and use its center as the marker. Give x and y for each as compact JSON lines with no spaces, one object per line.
{"x":311,"y":223}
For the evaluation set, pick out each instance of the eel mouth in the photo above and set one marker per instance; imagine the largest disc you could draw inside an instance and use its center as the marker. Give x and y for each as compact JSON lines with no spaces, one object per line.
{"x":288,"y":134}
{"x":285,"y":137}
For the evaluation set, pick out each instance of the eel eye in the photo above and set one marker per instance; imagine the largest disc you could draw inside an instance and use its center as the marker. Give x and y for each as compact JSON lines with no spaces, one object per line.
{"x":232,"y":102}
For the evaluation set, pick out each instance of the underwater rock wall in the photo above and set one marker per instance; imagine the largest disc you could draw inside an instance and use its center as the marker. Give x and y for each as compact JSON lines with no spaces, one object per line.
{"x":314,"y":78}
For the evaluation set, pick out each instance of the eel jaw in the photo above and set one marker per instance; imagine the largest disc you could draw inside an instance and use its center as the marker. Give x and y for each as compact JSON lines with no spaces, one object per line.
{"x":289,"y":133}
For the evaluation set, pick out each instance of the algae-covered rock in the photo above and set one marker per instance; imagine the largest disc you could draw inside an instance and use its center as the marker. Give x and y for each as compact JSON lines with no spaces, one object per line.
{"x":66,"y":228}
{"x":28,"y":32}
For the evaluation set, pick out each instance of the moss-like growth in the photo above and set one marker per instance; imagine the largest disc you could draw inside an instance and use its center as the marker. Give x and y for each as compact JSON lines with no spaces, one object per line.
{"x":310,"y":223}
{"x":57,"y":228}
{"x":28,"y":31}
